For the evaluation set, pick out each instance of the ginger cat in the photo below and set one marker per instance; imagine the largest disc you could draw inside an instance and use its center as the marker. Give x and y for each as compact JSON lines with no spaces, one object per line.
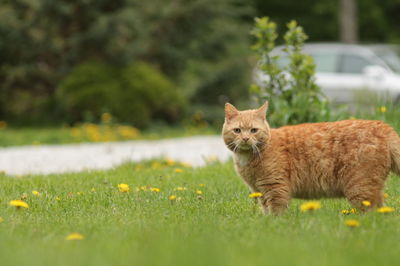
{"x":350,"y":158}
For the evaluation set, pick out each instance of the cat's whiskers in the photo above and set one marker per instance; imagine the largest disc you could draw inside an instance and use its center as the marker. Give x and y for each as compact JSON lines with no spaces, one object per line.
{"x":256,"y":150}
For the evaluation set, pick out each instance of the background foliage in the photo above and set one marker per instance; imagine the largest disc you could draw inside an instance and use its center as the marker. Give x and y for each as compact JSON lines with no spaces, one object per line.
{"x":199,"y":46}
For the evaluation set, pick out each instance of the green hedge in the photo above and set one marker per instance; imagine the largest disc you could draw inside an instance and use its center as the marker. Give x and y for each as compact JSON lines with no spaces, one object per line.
{"x":136,"y":94}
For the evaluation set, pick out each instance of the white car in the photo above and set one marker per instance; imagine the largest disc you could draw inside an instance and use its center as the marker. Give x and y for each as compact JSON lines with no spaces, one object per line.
{"x":345,"y":71}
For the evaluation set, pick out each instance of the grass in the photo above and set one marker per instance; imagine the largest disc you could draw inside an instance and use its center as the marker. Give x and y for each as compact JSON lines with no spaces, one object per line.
{"x":222,"y":227}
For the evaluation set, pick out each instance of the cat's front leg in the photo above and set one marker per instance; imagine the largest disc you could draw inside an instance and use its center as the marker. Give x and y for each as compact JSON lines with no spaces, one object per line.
{"x":275,"y":196}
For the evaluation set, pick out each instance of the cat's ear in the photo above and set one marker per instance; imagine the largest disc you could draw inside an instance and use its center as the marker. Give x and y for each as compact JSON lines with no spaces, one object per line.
{"x":230,"y":111}
{"x":262,"y":111}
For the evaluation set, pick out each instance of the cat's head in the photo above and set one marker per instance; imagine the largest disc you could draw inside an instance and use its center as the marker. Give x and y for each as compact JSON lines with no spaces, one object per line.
{"x":247,"y":130}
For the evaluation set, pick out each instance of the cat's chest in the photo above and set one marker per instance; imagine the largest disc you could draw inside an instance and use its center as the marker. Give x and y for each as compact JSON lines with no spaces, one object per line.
{"x":244,"y":166}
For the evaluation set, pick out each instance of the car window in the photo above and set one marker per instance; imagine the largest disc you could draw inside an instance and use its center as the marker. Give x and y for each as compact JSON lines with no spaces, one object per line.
{"x":325,"y":62}
{"x":353,"y":64}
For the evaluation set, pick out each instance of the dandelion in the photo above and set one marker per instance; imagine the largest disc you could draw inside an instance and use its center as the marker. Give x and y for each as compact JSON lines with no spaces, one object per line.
{"x":352,"y":223}
{"x":106,"y":118}
{"x":202,"y":185}
{"x":74,"y":236}
{"x":383,"y":109}
{"x":19,"y":204}
{"x":143,"y":188}
{"x":170,"y":162}
{"x":186,"y":165}
{"x":346,"y":212}
{"x":156,"y":165}
{"x":310,"y":206}
{"x":178,"y":170}
{"x":58,"y":198}
{"x":366,"y":203}
{"x":385,"y":195}
{"x":199,"y":192}
{"x":123,"y":187}
{"x":385,"y":210}
{"x":154,"y":189}
{"x":180,"y":188}
{"x":255,"y":195}
{"x":36,"y":193}
{"x":172,"y":197}
{"x":3,"y":124}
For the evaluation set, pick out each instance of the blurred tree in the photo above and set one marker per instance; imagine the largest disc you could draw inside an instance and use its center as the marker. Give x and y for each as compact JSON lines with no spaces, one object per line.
{"x":201,"y":45}
{"x":377,"y":19}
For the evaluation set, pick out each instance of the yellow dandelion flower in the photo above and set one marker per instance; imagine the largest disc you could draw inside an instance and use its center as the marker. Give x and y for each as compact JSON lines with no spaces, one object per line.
{"x":385,"y":195}
{"x":186,"y":165}
{"x":170,"y":162}
{"x":123,"y":187}
{"x":106,"y":118}
{"x":366,"y":203}
{"x":156,"y":165}
{"x":3,"y":124}
{"x":172,"y":197}
{"x":383,"y":109}
{"x":74,"y":236}
{"x":19,"y":204}
{"x":199,"y":192}
{"x":36,"y":193}
{"x":180,"y":188}
{"x":385,"y":210}
{"x":178,"y":170}
{"x":202,"y":185}
{"x":255,"y":195}
{"x":345,"y":212}
{"x":154,"y":189}
{"x":58,"y":198}
{"x":352,"y":223}
{"x":310,"y":206}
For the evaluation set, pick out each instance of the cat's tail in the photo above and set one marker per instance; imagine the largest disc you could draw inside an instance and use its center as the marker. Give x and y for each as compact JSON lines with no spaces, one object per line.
{"x":394,"y":146}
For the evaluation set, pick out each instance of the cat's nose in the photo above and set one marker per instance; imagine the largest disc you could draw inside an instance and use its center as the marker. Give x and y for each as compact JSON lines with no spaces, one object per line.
{"x":245,"y":139}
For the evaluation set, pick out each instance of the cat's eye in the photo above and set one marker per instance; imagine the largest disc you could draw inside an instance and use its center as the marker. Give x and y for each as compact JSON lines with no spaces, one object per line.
{"x":254,"y":130}
{"x":236,"y":130}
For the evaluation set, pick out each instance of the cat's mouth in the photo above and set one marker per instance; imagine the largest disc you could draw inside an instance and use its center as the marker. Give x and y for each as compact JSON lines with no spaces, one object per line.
{"x":245,"y":147}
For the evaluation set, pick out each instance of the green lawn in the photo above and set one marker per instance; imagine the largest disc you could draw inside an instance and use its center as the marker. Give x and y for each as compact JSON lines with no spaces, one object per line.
{"x":221,"y":227}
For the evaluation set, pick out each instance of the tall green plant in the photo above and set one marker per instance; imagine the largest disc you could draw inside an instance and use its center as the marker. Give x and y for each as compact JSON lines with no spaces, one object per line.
{"x":293,"y":95}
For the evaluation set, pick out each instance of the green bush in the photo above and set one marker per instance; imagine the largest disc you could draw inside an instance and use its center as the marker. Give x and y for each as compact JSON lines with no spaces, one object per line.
{"x":134,"y":94}
{"x":293,"y":95}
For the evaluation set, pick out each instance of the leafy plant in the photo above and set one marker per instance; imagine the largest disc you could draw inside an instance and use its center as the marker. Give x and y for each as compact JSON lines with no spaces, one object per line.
{"x":293,"y":95}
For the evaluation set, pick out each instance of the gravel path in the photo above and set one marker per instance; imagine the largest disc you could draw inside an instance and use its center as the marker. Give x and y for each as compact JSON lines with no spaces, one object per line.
{"x":47,"y":159}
